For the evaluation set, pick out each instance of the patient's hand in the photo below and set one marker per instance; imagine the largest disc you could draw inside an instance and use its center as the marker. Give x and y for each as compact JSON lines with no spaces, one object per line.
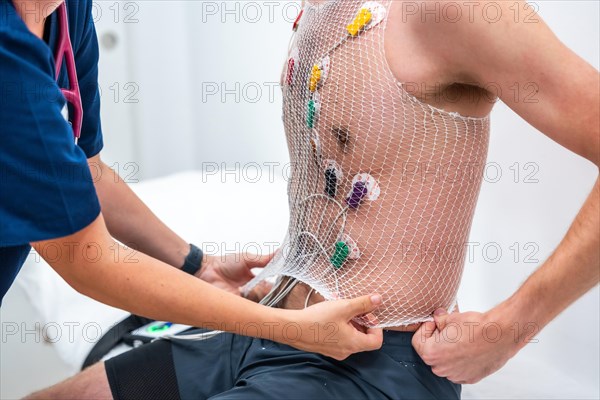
{"x":466,"y":347}
{"x":232,"y":271}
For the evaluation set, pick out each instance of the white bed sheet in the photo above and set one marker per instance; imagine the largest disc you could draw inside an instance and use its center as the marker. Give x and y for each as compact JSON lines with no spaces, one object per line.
{"x":225,"y":216}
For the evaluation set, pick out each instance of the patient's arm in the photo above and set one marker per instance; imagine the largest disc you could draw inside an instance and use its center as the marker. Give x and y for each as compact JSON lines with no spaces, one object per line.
{"x":570,"y":272}
{"x":567,"y":111}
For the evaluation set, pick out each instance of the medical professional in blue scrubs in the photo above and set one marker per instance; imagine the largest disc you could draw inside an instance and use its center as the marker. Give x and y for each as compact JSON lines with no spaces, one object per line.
{"x":49,"y":200}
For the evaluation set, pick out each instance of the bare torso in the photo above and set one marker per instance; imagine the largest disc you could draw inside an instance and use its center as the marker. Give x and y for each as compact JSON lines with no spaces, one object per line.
{"x":427,"y":162}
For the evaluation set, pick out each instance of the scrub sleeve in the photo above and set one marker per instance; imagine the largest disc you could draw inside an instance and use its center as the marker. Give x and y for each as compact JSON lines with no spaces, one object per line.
{"x":46,"y":188}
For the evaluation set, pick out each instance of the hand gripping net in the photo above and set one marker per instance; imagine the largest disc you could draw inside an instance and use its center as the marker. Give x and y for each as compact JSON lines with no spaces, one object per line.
{"x":383,"y":186}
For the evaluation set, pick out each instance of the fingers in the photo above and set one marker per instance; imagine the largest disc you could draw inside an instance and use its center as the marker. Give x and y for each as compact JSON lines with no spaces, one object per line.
{"x":420,"y":337}
{"x":362,"y":305}
{"x":358,"y":326}
{"x":258,"y":292}
{"x":257,"y":260}
{"x":361,"y":339}
{"x":440,"y":317}
{"x":372,"y":339}
{"x":427,"y":329}
{"x":376,"y":335}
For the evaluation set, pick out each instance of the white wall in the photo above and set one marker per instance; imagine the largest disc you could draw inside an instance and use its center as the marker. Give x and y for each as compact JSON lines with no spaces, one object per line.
{"x":119,"y":92}
{"x":241,"y":64}
{"x":207,"y":74}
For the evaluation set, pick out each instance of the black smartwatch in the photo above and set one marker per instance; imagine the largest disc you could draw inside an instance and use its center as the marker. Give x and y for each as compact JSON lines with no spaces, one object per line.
{"x":193,"y":261}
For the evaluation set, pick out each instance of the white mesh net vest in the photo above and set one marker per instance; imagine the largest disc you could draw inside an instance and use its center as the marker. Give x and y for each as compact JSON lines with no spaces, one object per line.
{"x":383,"y":186}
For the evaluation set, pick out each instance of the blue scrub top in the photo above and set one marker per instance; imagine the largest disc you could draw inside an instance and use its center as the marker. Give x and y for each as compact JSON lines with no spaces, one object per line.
{"x":46,"y":188}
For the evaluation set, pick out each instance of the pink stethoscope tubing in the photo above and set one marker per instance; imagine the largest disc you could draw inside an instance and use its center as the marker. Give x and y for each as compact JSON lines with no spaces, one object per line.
{"x":64,"y":50}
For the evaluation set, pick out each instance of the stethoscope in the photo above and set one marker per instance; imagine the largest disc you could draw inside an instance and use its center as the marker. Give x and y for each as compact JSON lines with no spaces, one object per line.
{"x":64,"y":50}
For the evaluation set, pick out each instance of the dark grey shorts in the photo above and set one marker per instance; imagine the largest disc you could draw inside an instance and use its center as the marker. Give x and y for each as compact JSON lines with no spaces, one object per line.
{"x":237,"y":367}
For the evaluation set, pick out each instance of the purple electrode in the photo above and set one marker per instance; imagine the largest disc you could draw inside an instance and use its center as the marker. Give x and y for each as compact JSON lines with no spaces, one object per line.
{"x":359,"y":191}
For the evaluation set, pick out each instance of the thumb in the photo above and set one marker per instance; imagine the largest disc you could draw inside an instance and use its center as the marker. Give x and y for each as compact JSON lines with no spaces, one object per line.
{"x":440,"y":316}
{"x":257,"y":260}
{"x":258,"y":292}
{"x":420,"y":337}
{"x":372,"y":339}
{"x":362,"y":305}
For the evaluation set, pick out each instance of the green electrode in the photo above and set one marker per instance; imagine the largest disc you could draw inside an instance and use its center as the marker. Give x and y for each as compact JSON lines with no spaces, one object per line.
{"x":340,"y":255}
{"x":310,"y":115}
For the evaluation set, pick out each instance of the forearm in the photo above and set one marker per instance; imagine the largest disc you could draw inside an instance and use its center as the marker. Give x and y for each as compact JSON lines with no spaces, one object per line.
{"x":149,"y":289}
{"x":569,"y":272}
{"x":97,"y":267}
{"x":131,"y":222}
